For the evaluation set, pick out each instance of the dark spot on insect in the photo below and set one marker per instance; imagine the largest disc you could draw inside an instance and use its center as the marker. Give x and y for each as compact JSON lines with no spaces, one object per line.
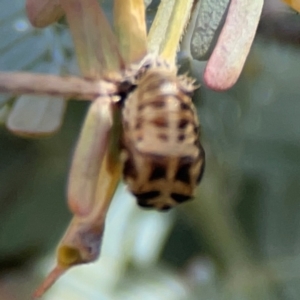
{"x":141,"y":107}
{"x":165,"y":208}
{"x":160,"y":122}
{"x":122,"y":96}
{"x":183,"y":123}
{"x":138,"y":123}
{"x":158,"y":172}
{"x":143,"y":198}
{"x":158,"y":103}
{"x":145,"y":205}
{"x":162,"y":137}
{"x":129,"y":169}
{"x":125,"y":88}
{"x":179,"y":198}
{"x":147,"y":65}
{"x":197,"y":142}
{"x":181,"y":137}
{"x":186,"y":160}
{"x":183,"y":174}
{"x":184,"y":106}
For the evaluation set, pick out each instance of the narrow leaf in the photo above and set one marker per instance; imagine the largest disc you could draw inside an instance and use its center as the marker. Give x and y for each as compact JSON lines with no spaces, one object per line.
{"x":130,"y":26}
{"x":81,"y":243}
{"x":210,"y":16}
{"x":95,"y":44}
{"x":42,"y":13}
{"x":168,"y":27}
{"x":34,"y":116}
{"x":88,"y":157}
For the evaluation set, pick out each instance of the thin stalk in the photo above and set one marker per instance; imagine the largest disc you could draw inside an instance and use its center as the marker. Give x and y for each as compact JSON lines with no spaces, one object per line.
{"x":18,"y":83}
{"x":168,"y":27}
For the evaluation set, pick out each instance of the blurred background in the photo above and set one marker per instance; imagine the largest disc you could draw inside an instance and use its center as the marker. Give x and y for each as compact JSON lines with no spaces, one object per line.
{"x":239,"y":238}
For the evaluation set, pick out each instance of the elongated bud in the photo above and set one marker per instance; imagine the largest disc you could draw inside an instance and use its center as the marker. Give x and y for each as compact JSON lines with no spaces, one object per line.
{"x":234,"y":43}
{"x":82,"y":241}
{"x":80,"y":244}
{"x":42,"y":13}
{"x":88,"y":157}
{"x":33,"y":116}
{"x":132,"y":36}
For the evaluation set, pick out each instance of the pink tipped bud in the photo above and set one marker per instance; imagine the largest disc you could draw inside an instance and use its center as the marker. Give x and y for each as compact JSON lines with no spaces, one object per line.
{"x":227,"y":60}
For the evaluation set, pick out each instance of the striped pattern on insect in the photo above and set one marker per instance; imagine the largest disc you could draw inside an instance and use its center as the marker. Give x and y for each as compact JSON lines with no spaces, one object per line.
{"x":163,"y":157}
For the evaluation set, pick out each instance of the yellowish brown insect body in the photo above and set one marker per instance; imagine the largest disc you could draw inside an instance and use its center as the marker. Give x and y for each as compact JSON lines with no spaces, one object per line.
{"x":163,"y":158}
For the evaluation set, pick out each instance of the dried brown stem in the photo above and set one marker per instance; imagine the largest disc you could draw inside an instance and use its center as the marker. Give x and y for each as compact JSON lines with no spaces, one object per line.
{"x":69,"y":87}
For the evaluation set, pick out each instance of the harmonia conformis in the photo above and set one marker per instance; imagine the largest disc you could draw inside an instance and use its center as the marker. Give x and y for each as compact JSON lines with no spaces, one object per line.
{"x":162,"y":154}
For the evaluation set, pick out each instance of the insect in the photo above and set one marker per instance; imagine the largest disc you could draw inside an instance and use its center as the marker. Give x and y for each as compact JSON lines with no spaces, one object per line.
{"x":164,"y":159}
{"x":142,"y":117}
